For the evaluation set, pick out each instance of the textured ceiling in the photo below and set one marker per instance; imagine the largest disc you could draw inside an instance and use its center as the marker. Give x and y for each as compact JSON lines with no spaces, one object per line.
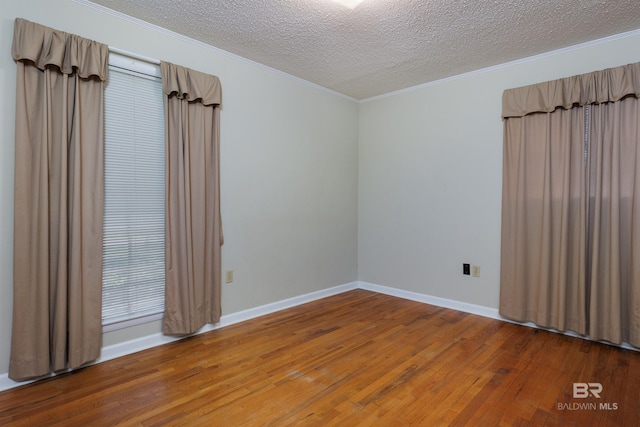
{"x":383,"y":46}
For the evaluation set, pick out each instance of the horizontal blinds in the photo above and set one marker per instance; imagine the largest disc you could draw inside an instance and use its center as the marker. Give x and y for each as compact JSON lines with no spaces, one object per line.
{"x":133,"y":261}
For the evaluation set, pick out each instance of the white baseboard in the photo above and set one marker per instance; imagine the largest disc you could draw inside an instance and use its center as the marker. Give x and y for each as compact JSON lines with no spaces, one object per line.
{"x":429,"y":299}
{"x":143,"y":343}
{"x":473,"y":309}
{"x":153,"y":340}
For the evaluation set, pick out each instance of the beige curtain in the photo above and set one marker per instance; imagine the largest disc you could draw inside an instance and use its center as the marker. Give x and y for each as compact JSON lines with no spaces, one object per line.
{"x":193,"y":230}
{"x":57,"y":270}
{"x":569,"y":230}
{"x":614,"y":216}
{"x":543,"y":220}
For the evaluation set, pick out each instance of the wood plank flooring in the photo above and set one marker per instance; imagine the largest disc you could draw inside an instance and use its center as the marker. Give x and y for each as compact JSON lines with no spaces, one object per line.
{"x":358,"y":358}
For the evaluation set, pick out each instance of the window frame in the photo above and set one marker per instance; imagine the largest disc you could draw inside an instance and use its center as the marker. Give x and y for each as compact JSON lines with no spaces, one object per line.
{"x":151,"y":68}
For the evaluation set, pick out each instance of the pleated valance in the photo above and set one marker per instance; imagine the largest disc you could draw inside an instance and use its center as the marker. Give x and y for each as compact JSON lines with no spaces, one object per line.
{"x":191,"y":85}
{"x":46,"y":47}
{"x":597,"y":87}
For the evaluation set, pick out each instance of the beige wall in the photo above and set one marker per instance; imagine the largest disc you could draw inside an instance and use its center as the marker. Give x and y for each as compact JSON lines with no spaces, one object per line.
{"x":430,"y":174}
{"x":288,"y":170}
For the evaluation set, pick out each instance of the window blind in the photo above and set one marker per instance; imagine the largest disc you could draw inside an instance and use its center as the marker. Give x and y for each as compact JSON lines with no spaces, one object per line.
{"x":134,"y":219}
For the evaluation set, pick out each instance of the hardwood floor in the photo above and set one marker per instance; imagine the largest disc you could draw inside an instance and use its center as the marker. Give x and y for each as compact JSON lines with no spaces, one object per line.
{"x":358,"y":358}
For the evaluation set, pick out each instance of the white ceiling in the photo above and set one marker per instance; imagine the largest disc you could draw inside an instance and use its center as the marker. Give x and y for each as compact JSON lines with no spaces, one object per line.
{"x":383,"y":46}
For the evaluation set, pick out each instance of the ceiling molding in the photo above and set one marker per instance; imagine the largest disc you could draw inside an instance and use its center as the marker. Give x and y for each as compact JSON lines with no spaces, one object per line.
{"x":306,"y":82}
{"x":206,"y":46}
{"x":633,"y":33}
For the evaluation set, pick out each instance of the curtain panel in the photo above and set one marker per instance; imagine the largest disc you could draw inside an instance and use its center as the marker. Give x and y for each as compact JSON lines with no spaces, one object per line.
{"x":544,"y":221}
{"x":193,"y":222}
{"x":58,"y":206}
{"x":571,"y":205}
{"x":613,"y":280}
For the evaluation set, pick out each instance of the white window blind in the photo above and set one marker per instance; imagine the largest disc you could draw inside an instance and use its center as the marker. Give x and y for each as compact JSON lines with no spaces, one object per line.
{"x":133,"y":262}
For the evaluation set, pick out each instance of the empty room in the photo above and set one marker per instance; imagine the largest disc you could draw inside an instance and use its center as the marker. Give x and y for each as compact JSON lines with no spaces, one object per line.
{"x":319,"y":212}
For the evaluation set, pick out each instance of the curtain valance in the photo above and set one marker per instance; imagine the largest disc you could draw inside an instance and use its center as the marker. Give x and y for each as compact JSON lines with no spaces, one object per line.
{"x":45,"y":47}
{"x":190,"y":85}
{"x":597,"y":87}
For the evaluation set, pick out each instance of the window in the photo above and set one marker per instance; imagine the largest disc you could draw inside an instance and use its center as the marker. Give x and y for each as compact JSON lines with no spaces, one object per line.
{"x":134,"y":220}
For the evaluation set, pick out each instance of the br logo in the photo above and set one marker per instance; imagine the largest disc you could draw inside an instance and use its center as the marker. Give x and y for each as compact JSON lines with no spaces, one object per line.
{"x":584,"y":390}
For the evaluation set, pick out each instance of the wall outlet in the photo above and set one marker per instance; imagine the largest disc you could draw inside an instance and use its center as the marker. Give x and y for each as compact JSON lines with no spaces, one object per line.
{"x":475,"y":271}
{"x":466,"y":269}
{"x":228,"y":276}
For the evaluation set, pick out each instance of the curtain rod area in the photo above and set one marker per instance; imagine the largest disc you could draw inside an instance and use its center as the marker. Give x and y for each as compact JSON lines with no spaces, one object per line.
{"x":134,"y":55}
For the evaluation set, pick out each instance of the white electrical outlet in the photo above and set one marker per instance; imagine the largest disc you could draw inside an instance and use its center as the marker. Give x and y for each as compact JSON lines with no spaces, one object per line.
{"x":228,"y":276}
{"x":475,"y":271}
